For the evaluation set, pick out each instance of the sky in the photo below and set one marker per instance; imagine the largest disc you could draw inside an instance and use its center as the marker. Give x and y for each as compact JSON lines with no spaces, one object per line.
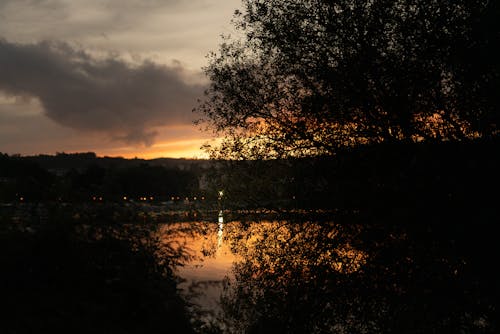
{"x":114,"y":77}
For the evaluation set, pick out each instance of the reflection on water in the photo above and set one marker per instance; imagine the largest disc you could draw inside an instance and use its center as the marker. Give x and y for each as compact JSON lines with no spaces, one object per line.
{"x":220,"y":232}
{"x":309,"y":276}
{"x":364,"y":272}
{"x":220,"y":235}
{"x":209,"y":265}
{"x":236,"y":269}
{"x":287,"y":276}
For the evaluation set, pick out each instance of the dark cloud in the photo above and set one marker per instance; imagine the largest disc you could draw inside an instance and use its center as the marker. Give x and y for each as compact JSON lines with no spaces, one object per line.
{"x":78,"y":90}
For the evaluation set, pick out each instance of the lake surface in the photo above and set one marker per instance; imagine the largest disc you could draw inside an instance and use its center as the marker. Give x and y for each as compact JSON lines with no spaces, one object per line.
{"x":208,"y":266}
{"x":232,"y":270}
{"x":313,"y":274}
{"x":257,"y":271}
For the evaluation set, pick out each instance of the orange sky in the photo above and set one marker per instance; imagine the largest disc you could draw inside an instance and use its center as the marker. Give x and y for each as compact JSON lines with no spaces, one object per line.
{"x":188,"y":149}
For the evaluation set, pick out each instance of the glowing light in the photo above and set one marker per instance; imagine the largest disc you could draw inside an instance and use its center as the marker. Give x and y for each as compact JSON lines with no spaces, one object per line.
{"x":124,"y":198}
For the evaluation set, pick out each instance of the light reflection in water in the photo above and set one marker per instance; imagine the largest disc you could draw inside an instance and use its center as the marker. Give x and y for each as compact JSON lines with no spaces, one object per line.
{"x":228,"y":258}
{"x":308,"y":277}
{"x":210,"y":263}
{"x":220,"y":235}
{"x":220,"y":231}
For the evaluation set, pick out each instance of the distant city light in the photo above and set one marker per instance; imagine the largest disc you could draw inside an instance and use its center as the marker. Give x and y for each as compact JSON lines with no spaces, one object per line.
{"x":124,"y":198}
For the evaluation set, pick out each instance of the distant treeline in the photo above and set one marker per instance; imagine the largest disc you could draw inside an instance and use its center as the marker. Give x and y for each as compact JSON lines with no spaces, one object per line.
{"x":61,"y":161}
{"x":83,"y":176}
{"x":385,"y":175}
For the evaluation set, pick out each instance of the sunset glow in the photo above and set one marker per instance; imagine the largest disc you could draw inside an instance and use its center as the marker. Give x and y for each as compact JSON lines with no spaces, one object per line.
{"x":188,"y":149}
{"x":117,"y":79}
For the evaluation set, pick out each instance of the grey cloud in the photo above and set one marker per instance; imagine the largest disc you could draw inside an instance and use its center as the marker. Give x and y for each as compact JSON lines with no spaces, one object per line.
{"x":92,"y":94}
{"x":158,"y":29}
{"x":46,"y":3}
{"x":115,"y":5}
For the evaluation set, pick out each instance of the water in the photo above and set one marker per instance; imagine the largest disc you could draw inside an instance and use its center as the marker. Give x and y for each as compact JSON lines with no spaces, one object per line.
{"x":229,"y":264}
{"x":310,"y":276}
{"x":312,"y":272}
{"x":209,"y":269}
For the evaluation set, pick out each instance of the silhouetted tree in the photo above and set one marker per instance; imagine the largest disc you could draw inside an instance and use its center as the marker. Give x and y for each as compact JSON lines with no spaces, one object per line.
{"x":308,"y":77}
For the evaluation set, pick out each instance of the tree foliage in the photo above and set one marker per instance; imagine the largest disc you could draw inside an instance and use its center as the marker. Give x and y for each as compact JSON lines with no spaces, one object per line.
{"x":309,"y":77}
